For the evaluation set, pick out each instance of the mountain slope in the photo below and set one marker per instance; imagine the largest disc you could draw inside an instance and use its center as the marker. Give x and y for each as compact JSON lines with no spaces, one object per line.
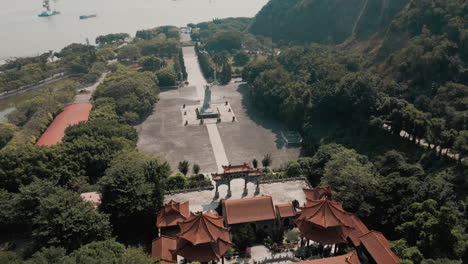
{"x":324,"y":21}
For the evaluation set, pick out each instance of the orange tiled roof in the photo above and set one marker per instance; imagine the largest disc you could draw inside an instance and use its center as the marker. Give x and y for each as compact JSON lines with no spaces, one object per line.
{"x":162,"y":248}
{"x":237,"y":168}
{"x":92,"y":197}
{"x":325,"y":222}
{"x":71,"y":115}
{"x":172,"y":214}
{"x":379,"y":248}
{"x":350,"y":258}
{"x":325,"y":213}
{"x":318,"y":192}
{"x":203,"y":237}
{"x":234,"y":169}
{"x":285,"y":210}
{"x":359,"y":229}
{"x":249,"y":210}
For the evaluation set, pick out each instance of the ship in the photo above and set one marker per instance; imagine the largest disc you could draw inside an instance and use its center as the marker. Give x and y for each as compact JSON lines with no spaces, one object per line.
{"x":48,"y":12}
{"x":88,"y":16}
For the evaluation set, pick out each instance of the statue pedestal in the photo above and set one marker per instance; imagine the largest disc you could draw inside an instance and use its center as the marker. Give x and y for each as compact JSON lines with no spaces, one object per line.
{"x":207,"y":113}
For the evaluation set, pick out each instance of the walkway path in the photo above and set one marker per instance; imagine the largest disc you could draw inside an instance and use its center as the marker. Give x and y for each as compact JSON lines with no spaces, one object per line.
{"x":218,"y":147}
{"x":424,"y":143}
{"x":52,"y":79}
{"x":86,"y":97}
{"x":195,"y":78}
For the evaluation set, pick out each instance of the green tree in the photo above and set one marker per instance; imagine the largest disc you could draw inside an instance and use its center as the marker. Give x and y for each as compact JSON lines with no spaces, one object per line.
{"x":48,"y":255}
{"x":255,"y":163}
{"x":244,"y":237}
{"x":184,"y":167}
{"x":241,"y":58}
{"x":461,"y":144}
{"x":177,"y":181}
{"x":267,"y":160}
{"x":64,"y":220}
{"x":196,"y":169}
{"x":132,"y":91}
{"x":225,"y":74}
{"x":293,"y":169}
{"x":10,"y":257}
{"x":132,"y":195}
{"x":167,"y":77}
{"x":151,"y":63}
{"x":128,"y":53}
{"x":7,"y":131}
{"x":108,"y":251}
{"x":435,"y":230}
{"x":352,"y":178}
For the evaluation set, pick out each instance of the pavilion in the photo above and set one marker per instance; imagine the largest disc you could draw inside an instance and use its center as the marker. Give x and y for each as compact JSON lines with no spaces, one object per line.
{"x":324,"y":221}
{"x":203,"y":238}
{"x":171,"y":215}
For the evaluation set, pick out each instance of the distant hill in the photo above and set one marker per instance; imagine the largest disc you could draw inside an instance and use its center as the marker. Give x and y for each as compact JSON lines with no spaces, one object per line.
{"x":324,"y":21}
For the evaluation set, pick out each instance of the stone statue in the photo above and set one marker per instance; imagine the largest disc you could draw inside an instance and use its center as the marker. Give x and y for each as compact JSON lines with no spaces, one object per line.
{"x":207,"y":99}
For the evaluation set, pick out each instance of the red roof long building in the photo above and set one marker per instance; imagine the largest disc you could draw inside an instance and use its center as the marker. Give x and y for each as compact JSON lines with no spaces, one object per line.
{"x":71,"y":115}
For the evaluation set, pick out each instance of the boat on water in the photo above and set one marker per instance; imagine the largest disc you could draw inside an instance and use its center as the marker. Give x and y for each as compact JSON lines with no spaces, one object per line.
{"x":88,"y":16}
{"x":48,"y":13}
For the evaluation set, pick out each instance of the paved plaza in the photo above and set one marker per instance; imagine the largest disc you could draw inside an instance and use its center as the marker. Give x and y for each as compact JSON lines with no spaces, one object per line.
{"x":282,"y":192}
{"x":174,"y":135}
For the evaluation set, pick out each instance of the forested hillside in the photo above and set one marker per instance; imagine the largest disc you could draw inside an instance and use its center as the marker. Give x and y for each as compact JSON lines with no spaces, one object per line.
{"x":324,"y":21}
{"x":347,"y":68}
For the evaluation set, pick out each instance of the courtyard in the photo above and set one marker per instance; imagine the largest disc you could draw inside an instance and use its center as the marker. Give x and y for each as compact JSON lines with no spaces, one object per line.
{"x":167,"y":134}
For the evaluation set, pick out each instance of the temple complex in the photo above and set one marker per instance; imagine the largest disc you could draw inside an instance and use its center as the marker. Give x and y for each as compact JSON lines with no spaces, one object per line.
{"x":205,"y":236}
{"x":230,"y":172}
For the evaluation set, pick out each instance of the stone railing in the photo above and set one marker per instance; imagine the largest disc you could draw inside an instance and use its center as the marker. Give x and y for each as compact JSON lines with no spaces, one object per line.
{"x":280,"y":258}
{"x":206,"y":188}
{"x":302,"y":178}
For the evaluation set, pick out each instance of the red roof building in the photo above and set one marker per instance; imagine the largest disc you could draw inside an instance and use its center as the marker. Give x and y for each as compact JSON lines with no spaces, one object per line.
{"x":249,"y":210}
{"x":350,"y":258}
{"x":163,"y":249}
{"x":203,"y":238}
{"x":318,"y":192}
{"x":71,"y":115}
{"x":172,"y":214}
{"x":285,"y":210}
{"x":359,"y":229}
{"x":379,"y":248}
{"x":325,"y":222}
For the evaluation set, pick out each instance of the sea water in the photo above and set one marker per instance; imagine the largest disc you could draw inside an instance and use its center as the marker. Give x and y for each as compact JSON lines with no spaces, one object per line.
{"x":23,"y":33}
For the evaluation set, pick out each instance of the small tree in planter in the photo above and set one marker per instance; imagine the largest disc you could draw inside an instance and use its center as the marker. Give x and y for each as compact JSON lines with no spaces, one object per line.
{"x":196,"y":169}
{"x":255,"y":163}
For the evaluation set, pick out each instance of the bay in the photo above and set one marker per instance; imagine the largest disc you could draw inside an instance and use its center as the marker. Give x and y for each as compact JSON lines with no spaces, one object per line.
{"x":23,"y":33}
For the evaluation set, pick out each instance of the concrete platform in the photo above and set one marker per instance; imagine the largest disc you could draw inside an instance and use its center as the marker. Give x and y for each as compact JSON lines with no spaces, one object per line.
{"x":189,"y":114}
